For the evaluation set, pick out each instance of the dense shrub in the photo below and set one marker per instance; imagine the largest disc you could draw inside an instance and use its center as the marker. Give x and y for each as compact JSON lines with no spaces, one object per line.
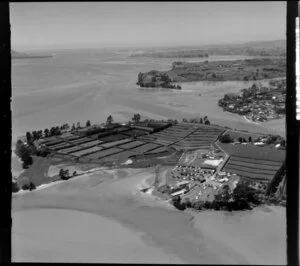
{"x":14,"y":186}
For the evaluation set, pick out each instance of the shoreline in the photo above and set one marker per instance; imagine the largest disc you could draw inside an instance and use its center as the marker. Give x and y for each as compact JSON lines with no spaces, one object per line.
{"x":118,"y":200}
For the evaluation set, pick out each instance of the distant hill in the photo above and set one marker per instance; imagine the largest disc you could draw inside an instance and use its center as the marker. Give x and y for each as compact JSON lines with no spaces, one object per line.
{"x":17,"y":55}
{"x":255,"y":48}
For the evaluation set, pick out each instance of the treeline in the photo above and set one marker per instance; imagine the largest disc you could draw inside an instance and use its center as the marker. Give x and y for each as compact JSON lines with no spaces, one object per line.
{"x":243,"y":197}
{"x":53,"y":131}
{"x":270,"y":139}
{"x":15,"y":187}
{"x":197,"y":120}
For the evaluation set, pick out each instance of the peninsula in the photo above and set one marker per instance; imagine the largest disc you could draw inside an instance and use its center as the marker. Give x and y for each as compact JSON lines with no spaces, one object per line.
{"x":257,"y":103}
{"x":201,"y":164}
{"x":17,"y":55}
{"x":230,"y":70}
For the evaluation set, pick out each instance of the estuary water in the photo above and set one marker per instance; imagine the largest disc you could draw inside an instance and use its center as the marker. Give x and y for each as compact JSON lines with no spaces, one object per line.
{"x":78,"y":85}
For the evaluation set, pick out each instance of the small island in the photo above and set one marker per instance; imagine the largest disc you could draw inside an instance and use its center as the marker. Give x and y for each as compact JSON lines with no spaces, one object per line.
{"x":257,"y":103}
{"x":156,"y":79}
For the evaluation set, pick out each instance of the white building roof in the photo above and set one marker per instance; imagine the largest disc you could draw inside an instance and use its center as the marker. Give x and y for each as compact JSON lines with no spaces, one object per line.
{"x":178,"y":192}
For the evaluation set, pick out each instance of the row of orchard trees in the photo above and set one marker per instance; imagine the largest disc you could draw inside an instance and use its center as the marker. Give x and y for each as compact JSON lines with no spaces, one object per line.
{"x":53,"y":131}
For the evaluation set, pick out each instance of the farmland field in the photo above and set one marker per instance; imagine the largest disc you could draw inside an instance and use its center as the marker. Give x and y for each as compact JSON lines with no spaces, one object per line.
{"x":144,"y":148}
{"x":260,"y":164}
{"x":104,"y":153}
{"x":73,"y":137}
{"x":158,"y":150}
{"x":251,"y":175}
{"x":254,"y":160}
{"x":48,"y":139}
{"x":114,"y":143}
{"x":66,"y":135}
{"x":135,"y":133}
{"x":120,"y":156}
{"x":132,"y":144}
{"x":255,"y":168}
{"x":54,"y":142}
{"x":61,"y":146}
{"x":91,"y":143}
{"x":81,"y":140}
{"x":72,"y":149}
{"x":113,"y":137}
{"x":254,"y":152}
{"x":85,"y":151}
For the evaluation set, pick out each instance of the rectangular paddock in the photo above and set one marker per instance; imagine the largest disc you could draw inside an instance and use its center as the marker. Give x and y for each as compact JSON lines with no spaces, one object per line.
{"x":158,"y":150}
{"x":132,"y":144}
{"x":114,"y":143}
{"x":81,"y":140}
{"x":103,"y":153}
{"x":256,"y":165}
{"x":71,"y":149}
{"x":121,"y":155}
{"x":60,"y":146}
{"x":255,"y":160}
{"x":91,"y":143}
{"x":254,"y":176}
{"x":145,"y":148}
{"x":86,"y":151}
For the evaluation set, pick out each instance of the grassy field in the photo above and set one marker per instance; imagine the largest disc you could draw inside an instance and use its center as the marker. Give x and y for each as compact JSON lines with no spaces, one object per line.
{"x":38,"y":171}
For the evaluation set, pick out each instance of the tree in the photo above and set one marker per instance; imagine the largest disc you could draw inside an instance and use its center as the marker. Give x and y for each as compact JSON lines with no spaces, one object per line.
{"x":78,"y":125}
{"x":244,"y":140}
{"x":46,"y":132}
{"x":28,"y":137}
{"x":74,"y":173}
{"x":52,"y":131}
{"x":240,"y":139}
{"x":14,"y":186}
{"x":34,"y":135}
{"x":88,"y":123}
{"x":226,"y":138}
{"x":64,"y":174}
{"x":206,"y":122}
{"x":23,"y":152}
{"x":205,"y":118}
{"x":25,"y":187}
{"x":109,"y":120}
{"x":136,"y":117}
{"x":184,"y":120}
{"x":250,"y":139}
{"x":201,"y":120}
{"x":282,"y":143}
{"x":31,"y":186}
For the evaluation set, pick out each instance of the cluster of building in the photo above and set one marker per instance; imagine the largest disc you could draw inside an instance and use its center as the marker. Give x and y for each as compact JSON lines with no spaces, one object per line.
{"x":257,"y":103}
{"x":191,"y":173}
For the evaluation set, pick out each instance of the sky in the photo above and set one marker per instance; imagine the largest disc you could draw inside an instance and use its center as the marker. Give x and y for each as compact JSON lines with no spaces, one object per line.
{"x":137,"y":24}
